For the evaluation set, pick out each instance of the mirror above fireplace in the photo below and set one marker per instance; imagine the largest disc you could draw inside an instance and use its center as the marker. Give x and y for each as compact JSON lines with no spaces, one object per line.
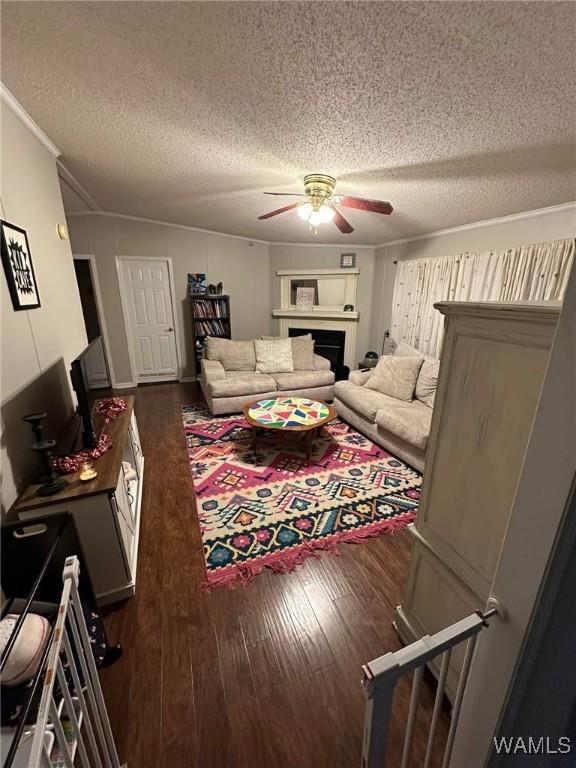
{"x":331,"y":326}
{"x":332,"y":289}
{"x":329,"y":292}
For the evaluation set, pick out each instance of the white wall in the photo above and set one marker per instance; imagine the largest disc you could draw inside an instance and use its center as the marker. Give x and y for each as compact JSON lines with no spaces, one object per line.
{"x":532,"y":227}
{"x":326,"y":257}
{"x":38,"y":344}
{"x":248,"y":270}
{"x":241,"y":265}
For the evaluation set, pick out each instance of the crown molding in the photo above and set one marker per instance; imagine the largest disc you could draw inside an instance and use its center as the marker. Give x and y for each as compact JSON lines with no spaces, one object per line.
{"x":71,"y":180}
{"x":485,"y":223}
{"x":159,"y":222}
{"x":14,"y":106}
{"x":322,"y":245}
{"x":144,"y":219}
{"x":97,"y":211}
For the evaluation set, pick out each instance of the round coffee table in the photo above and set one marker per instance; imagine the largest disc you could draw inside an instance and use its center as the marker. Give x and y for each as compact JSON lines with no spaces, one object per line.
{"x":289,"y":414}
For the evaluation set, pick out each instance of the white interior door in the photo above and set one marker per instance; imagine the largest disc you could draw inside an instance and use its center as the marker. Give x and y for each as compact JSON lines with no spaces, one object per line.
{"x":150,"y":318}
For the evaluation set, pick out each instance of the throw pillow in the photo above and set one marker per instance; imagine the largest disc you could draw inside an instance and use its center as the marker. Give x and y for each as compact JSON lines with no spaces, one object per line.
{"x":405,"y":350}
{"x":274,"y":356}
{"x":303,"y":352}
{"x":234,"y":355}
{"x":428,"y":381}
{"x":395,"y":376}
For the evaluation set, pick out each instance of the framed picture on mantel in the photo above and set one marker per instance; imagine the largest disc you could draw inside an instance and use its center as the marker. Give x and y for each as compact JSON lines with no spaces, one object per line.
{"x":305,"y":299}
{"x":18,"y":267}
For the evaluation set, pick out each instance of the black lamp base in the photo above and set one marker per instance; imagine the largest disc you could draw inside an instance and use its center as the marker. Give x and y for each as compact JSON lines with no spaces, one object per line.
{"x":52,"y":487}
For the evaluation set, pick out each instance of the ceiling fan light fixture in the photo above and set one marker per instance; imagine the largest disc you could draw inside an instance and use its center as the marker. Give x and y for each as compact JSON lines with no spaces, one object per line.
{"x":321,"y":206}
{"x":315,"y":218}
{"x":327,"y":213}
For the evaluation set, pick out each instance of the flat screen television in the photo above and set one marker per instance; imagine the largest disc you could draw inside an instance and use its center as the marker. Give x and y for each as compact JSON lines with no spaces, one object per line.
{"x":81,"y":384}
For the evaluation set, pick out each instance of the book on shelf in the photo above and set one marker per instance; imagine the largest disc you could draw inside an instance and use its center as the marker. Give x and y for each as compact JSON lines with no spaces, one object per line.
{"x":209,"y":328}
{"x":208,"y":309}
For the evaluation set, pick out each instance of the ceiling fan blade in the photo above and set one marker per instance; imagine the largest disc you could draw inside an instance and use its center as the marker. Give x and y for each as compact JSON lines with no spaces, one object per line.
{"x":286,"y":194}
{"x":279,"y":210}
{"x":375,"y":206}
{"x":341,"y":223}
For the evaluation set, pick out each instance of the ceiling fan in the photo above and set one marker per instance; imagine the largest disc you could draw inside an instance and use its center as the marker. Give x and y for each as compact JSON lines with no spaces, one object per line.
{"x":320,"y":206}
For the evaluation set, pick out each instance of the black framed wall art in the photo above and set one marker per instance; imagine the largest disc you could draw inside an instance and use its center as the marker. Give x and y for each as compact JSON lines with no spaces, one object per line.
{"x":18,"y":267}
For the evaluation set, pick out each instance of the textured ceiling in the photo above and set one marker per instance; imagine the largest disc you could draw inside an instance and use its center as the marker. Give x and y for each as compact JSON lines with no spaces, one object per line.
{"x":188,"y":111}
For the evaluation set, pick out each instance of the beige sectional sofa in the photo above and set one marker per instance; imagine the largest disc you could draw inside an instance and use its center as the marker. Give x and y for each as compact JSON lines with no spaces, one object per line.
{"x":400,"y":426}
{"x":229,"y":378}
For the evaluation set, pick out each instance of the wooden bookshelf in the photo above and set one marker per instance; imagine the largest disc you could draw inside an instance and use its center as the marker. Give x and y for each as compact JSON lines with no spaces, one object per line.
{"x":210,"y":317}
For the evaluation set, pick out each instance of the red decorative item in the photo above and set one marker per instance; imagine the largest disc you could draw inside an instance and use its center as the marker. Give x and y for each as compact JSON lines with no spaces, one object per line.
{"x":110,"y":408}
{"x":68,"y":464}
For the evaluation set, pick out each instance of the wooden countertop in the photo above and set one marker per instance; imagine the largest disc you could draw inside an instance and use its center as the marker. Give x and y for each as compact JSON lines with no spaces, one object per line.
{"x":107,"y":466}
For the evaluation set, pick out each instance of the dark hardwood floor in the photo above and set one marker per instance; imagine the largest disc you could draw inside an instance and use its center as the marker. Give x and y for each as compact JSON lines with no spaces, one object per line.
{"x":264,"y":675}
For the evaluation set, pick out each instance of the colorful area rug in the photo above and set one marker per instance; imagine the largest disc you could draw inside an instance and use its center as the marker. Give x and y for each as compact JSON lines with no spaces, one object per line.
{"x":270,"y":507}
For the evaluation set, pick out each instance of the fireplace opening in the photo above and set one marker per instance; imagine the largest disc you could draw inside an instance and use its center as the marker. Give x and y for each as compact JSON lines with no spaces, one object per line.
{"x":328,"y":344}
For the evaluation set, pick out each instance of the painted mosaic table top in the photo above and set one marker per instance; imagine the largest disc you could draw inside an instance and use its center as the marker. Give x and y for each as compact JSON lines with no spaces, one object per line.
{"x":297,"y":413}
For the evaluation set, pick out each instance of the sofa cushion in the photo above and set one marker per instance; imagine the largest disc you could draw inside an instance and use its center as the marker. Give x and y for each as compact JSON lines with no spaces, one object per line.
{"x":359,"y":377}
{"x":303,"y":379}
{"x":302,"y":351}
{"x":401,"y":349}
{"x":428,"y":376}
{"x":212,"y":370}
{"x":256,"y":384}
{"x":364,"y":401}
{"x":427,"y":381}
{"x":409,"y":421}
{"x":234,"y":355}
{"x":321,"y":363}
{"x":395,"y":376}
{"x":274,"y":356}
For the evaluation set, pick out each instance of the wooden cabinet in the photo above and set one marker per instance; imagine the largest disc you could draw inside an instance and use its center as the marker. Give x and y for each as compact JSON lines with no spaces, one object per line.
{"x":492,"y":367}
{"x":106,"y":510}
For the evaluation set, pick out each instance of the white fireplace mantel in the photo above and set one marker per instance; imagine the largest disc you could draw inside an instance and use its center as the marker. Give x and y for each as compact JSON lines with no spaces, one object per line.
{"x":319,"y":313}
{"x":321,"y":317}
{"x":319,"y":272}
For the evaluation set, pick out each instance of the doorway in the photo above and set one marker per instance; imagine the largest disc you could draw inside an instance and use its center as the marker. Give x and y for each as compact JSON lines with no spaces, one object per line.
{"x":97,"y":366}
{"x":147,"y":292}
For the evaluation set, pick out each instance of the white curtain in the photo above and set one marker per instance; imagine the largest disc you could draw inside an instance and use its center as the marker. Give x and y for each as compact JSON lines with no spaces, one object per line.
{"x":526,"y":273}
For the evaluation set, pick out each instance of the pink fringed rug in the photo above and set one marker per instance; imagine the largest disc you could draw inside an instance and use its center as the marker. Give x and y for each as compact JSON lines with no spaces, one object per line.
{"x":270,"y":507}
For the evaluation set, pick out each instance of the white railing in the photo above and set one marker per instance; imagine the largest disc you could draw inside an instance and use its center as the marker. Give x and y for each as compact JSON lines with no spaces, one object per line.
{"x":382,"y":674}
{"x":82,"y":705}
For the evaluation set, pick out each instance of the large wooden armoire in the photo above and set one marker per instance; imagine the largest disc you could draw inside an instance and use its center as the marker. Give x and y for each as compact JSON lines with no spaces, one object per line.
{"x":492,"y":367}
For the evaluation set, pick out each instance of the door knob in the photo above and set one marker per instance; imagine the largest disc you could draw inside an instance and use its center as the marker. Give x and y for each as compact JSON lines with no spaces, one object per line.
{"x":169,"y":329}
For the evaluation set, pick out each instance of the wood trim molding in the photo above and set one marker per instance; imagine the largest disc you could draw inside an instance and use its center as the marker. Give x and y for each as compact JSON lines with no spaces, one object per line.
{"x":17,"y":109}
{"x":546,"y":312}
{"x":449,"y":565}
{"x":335,"y":271}
{"x":68,"y":178}
{"x":571,"y":206}
{"x":319,"y":314}
{"x":160,"y":223}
